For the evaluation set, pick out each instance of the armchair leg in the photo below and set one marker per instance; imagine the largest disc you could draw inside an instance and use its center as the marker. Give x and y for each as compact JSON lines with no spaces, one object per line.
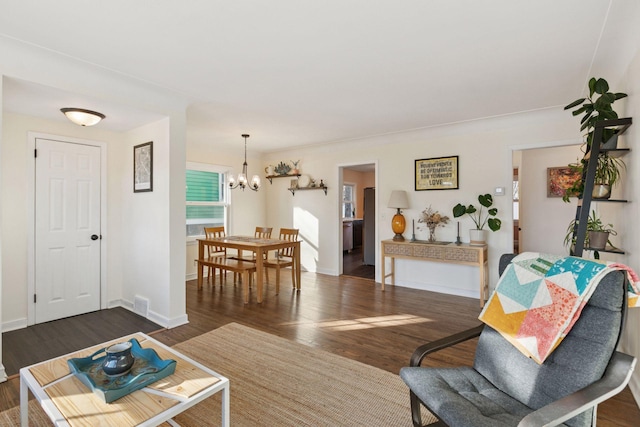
{"x":415,"y":410}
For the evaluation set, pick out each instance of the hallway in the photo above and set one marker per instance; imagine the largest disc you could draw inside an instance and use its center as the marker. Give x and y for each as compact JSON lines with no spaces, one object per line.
{"x":353,"y":266}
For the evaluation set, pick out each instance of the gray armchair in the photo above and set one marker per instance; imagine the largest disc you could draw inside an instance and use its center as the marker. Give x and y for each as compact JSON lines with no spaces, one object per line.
{"x":505,"y":388}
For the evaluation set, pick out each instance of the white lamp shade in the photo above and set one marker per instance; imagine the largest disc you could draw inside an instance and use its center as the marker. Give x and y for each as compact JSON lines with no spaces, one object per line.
{"x":398,"y":200}
{"x":83,"y":117}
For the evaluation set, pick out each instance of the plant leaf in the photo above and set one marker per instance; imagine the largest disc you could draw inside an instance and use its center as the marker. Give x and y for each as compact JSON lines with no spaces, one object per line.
{"x":575,"y":103}
{"x":592,"y":86}
{"x":620,"y":95}
{"x":459,"y":210}
{"x":485,"y":200}
{"x":601,"y":86}
{"x":494,"y":224}
{"x":493,"y":211}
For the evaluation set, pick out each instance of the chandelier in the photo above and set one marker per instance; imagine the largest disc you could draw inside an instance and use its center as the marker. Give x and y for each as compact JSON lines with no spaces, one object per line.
{"x":242,"y":177}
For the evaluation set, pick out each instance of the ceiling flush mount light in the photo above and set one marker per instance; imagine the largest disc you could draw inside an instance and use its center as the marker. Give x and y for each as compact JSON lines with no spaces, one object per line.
{"x":242,"y":178}
{"x":83,"y":117}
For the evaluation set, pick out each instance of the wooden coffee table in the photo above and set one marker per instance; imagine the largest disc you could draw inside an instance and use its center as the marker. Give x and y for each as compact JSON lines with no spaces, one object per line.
{"x":68,"y":402}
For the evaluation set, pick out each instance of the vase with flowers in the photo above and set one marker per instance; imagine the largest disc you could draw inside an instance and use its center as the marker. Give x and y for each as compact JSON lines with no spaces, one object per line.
{"x":433,"y":219}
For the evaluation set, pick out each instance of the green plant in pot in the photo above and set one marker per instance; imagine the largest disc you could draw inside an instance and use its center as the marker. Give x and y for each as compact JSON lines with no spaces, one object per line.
{"x":597,"y":237}
{"x":606,"y":177}
{"x":595,"y":108}
{"x":598,"y":106}
{"x":483,"y":215}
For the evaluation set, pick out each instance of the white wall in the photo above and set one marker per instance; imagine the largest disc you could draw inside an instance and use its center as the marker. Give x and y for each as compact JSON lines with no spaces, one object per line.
{"x":32,"y":64}
{"x":247,"y":210}
{"x":14,"y":198}
{"x":145,"y":220}
{"x":485,"y":155}
{"x":625,"y":218}
{"x":544,"y":220}
{"x":3,"y":374}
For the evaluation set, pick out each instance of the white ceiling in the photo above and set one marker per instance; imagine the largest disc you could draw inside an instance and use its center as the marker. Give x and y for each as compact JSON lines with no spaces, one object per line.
{"x":298,"y":72}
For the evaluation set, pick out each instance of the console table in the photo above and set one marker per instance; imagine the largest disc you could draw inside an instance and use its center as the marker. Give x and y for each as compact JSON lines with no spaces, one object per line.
{"x":464,"y":254}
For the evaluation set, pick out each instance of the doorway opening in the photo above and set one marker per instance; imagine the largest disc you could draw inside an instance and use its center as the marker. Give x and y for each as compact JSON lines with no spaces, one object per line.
{"x":358,"y":217}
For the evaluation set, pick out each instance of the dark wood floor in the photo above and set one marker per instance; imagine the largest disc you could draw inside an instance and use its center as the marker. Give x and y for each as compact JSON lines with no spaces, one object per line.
{"x":353,"y":265}
{"x":45,"y":341}
{"x":350,"y":317}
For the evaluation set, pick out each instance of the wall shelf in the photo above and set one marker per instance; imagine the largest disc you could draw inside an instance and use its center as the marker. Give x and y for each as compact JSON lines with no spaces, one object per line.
{"x":588,"y":178}
{"x":270,"y":177}
{"x":293,"y":190}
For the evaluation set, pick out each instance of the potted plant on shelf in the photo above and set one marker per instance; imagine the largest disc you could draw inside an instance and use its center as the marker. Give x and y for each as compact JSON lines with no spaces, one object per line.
{"x":606,"y":177}
{"x":595,"y":108}
{"x":480,"y":218}
{"x":597,"y":237}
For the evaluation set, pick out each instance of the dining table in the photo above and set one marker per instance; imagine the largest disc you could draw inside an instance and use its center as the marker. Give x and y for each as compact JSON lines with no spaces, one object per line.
{"x":259,"y":247}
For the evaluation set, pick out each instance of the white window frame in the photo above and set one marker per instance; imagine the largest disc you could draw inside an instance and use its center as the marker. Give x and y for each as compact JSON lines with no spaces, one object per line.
{"x":226,"y":202}
{"x":352,"y":201}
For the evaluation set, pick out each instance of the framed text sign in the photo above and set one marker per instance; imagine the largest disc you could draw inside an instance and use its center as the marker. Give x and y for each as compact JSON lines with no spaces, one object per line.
{"x":143,"y":167}
{"x":440,"y":173}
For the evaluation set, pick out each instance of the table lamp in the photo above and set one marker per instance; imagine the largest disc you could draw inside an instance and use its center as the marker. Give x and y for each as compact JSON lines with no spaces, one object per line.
{"x":398,"y":200}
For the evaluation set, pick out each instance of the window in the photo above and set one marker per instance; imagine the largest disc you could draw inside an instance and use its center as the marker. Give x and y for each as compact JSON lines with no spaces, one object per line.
{"x":207,"y":199}
{"x":348,"y":201}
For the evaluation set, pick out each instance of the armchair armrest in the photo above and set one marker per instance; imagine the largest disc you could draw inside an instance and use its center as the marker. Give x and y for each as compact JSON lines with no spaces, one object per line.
{"x":421,"y":352}
{"x":614,"y":380}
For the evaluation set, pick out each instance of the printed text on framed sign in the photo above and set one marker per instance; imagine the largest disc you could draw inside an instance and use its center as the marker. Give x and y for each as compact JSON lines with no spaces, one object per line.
{"x":440,"y":173}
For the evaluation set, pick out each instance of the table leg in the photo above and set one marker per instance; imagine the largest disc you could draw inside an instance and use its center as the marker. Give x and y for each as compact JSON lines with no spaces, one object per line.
{"x":297,"y":265}
{"x":225,"y":406}
{"x":200,"y":265}
{"x":484,"y":283}
{"x":384,"y":279}
{"x":245,"y":285}
{"x":24,"y":402}
{"x":393,"y":271}
{"x":259,"y":270}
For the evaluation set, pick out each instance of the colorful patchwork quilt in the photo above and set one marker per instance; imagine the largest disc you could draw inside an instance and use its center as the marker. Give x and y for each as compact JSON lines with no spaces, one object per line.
{"x":539,"y":297}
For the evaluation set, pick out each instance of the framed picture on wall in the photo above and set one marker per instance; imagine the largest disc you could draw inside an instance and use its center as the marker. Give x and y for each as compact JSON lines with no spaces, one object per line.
{"x":439,"y":173}
{"x":559,"y":179}
{"x":143,"y":167}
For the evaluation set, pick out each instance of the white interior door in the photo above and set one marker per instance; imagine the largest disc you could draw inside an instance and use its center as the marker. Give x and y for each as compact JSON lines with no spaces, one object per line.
{"x":67,"y":229}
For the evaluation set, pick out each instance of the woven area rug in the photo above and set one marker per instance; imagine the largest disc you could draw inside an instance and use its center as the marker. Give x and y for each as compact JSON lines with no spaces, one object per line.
{"x":277,"y":382}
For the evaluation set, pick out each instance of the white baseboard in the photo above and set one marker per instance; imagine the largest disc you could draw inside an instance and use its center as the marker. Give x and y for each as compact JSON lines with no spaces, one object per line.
{"x":163,"y":321}
{"x":14,"y":325}
{"x":436,"y":288}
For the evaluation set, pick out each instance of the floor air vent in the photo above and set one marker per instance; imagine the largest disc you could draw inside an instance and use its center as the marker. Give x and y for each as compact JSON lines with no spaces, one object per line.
{"x":141,"y":306}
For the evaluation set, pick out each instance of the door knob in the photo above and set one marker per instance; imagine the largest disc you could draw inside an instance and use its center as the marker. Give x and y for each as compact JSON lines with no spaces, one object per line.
{"x":94,"y":237}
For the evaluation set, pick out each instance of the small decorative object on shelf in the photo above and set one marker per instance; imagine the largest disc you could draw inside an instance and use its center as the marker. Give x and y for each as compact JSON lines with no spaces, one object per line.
{"x":322,"y":187}
{"x":295,"y":170}
{"x":282,"y":169}
{"x":433,"y":219}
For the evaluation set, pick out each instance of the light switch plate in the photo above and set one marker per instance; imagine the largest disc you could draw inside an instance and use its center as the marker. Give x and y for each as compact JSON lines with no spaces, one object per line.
{"x":498,"y":191}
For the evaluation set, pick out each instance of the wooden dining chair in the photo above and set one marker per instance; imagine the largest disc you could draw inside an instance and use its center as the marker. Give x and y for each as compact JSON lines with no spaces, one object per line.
{"x":215,"y":251}
{"x":283,"y":257}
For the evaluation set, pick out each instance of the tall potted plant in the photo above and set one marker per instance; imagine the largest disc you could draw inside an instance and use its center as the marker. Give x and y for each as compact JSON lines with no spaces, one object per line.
{"x":480,"y":218}
{"x":595,"y":108}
